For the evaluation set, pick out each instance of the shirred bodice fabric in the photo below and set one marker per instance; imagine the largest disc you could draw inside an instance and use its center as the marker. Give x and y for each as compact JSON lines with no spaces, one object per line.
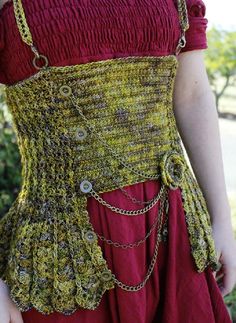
{"x":72,"y":32}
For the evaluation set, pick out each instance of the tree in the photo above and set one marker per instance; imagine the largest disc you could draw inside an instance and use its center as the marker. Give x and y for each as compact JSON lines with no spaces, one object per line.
{"x":221,"y":61}
{"x":10,"y":164}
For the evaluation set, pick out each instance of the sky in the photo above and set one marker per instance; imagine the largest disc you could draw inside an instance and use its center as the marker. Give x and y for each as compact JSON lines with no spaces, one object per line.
{"x":221,"y":13}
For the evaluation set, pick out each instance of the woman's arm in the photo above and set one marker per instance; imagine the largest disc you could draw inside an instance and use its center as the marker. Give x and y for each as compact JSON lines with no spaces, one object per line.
{"x":197,"y":121}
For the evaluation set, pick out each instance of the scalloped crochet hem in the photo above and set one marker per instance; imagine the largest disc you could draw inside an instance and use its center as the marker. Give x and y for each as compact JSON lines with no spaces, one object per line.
{"x":45,"y":300}
{"x":175,"y":292}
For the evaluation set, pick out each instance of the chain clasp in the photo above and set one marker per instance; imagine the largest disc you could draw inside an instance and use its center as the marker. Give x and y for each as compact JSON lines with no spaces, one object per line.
{"x":181,"y":44}
{"x":38,"y":57}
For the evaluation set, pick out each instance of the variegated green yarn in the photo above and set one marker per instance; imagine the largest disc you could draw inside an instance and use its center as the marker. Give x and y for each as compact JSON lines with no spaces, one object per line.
{"x":107,"y":122}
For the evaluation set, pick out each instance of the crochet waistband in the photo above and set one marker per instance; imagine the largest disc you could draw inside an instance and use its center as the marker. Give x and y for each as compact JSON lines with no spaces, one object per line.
{"x":84,"y":130}
{"x":107,"y":122}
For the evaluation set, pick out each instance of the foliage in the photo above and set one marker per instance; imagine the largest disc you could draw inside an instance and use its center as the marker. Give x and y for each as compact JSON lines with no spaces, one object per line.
{"x":10,"y":166}
{"x":221,"y":60}
{"x":230,"y":301}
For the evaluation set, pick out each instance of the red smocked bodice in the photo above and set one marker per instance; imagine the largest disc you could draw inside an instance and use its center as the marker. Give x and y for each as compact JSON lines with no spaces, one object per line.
{"x":73,"y":32}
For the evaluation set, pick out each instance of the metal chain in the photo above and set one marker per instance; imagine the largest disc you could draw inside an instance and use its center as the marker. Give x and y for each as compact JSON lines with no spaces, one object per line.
{"x":135,"y":244}
{"x":128,"y":212}
{"x":128,"y":195}
{"x":134,"y":288}
{"x":134,"y":199}
{"x":149,"y":203}
{"x":97,"y":134}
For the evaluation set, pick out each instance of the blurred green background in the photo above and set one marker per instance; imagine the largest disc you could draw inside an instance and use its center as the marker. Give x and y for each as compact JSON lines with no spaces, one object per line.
{"x":221,"y":66}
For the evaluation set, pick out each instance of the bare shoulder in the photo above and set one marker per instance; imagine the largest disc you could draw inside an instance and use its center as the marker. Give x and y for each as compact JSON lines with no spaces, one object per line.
{"x":2,"y":2}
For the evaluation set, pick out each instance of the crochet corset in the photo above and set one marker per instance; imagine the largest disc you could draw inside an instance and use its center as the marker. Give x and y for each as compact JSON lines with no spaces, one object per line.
{"x":83,"y":130}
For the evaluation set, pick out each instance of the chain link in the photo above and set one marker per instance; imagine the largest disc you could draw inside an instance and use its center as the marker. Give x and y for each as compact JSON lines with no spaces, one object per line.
{"x":151,"y":203}
{"x":135,"y":244}
{"x":134,"y":199}
{"x":115,"y":154}
{"x":133,"y":288}
{"x":128,"y":212}
{"x":128,"y":195}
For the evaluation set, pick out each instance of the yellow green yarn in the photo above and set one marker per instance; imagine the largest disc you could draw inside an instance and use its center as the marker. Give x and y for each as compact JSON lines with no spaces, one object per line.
{"x":45,"y":258}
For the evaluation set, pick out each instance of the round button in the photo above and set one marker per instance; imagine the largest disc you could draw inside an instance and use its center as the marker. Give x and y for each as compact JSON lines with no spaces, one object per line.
{"x":90,"y":236}
{"x":106,"y":275}
{"x":85,"y":186}
{"x":65,"y":90}
{"x":81,"y":134}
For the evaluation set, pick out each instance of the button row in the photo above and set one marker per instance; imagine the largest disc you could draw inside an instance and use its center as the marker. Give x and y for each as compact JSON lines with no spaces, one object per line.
{"x":85,"y":185}
{"x":91,"y":236}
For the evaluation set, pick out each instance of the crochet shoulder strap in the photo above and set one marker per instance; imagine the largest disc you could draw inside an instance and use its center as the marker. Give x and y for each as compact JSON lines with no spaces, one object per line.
{"x":26,"y":35}
{"x":184,"y":24}
{"x":22,"y":23}
{"x":183,"y":15}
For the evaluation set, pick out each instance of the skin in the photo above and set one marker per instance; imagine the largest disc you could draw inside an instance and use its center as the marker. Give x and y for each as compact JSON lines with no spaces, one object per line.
{"x":197,"y":121}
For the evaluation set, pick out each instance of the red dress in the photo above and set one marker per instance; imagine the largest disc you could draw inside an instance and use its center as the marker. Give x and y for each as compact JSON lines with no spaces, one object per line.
{"x":175,"y":292}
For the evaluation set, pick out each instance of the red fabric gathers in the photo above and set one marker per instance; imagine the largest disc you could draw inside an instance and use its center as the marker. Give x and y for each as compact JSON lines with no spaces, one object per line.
{"x":71,"y":32}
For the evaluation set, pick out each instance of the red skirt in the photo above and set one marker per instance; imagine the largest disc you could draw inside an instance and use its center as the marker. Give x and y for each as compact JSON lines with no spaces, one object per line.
{"x":175,"y":291}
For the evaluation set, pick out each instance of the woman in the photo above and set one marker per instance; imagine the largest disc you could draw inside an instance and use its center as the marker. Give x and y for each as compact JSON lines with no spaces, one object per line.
{"x":51,"y":260}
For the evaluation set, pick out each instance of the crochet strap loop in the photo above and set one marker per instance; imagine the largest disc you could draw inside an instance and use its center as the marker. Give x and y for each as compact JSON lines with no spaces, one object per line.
{"x":25,"y":33}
